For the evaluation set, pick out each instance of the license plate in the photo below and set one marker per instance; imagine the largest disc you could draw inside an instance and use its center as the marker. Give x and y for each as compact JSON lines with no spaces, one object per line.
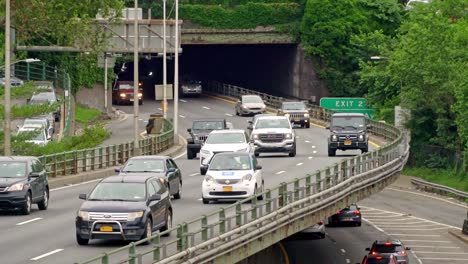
{"x":347,"y":142}
{"x":131,"y":99}
{"x":106,"y":229}
{"x":227,"y":188}
{"x":347,"y":219}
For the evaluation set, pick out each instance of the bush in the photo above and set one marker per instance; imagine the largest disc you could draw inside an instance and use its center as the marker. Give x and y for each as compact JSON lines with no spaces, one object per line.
{"x":445,"y":177}
{"x":86,"y":115}
{"x":26,"y":111}
{"x":24,"y":91}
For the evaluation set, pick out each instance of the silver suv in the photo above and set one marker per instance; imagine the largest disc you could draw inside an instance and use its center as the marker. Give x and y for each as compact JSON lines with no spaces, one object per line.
{"x":273,"y":134}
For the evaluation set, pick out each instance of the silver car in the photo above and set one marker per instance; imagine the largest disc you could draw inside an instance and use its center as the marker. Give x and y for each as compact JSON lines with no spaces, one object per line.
{"x":14,"y":81}
{"x":250,"y":104}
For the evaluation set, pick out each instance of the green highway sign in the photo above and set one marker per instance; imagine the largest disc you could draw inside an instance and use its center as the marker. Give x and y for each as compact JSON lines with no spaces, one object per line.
{"x":347,"y":105}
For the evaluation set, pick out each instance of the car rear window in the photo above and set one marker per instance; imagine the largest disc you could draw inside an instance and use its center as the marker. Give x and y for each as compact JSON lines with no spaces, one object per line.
{"x":382,"y":248}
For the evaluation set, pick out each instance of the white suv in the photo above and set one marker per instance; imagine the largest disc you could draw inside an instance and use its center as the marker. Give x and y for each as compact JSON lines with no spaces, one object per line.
{"x":233,"y":175}
{"x":273,"y":134}
{"x":223,"y":141}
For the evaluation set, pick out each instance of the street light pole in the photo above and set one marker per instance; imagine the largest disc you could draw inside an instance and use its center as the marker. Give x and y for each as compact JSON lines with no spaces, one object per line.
{"x":176,"y":73}
{"x":164,"y":62}
{"x":135,"y":79}
{"x":7,"y":126}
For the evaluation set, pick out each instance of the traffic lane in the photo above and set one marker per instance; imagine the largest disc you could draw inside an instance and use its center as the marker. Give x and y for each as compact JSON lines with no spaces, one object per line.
{"x":419,"y":204}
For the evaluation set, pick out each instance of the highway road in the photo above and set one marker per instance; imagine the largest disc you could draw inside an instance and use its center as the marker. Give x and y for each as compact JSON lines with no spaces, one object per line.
{"x":49,"y":236}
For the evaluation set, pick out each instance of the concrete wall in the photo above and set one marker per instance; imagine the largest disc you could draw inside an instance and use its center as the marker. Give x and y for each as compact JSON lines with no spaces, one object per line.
{"x":93,"y":97}
{"x":270,"y":255}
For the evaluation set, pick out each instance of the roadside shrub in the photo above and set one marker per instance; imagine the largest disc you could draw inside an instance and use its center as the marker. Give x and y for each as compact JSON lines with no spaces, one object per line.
{"x":24,"y":91}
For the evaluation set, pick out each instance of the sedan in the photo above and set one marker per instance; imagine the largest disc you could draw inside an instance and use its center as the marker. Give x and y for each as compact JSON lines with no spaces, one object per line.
{"x":394,"y":247}
{"x":348,"y":215}
{"x":124,"y":208}
{"x":14,"y":81}
{"x":157,"y":166}
{"x":250,"y":104}
{"x":234,"y":175}
{"x":380,"y":259}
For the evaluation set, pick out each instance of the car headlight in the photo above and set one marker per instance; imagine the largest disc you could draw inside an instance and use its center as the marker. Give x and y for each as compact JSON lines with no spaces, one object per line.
{"x":361,"y":137}
{"x":306,"y":115}
{"x":84,"y":215}
{"x":16,"y":187}
{"x":209,"y":179}
{"x":123,"y":95}
{"x":334,"y":138}
{"x":206,"y":152}
{"x":255,"y":136}
{"x":140,"y":94}
{"x":243,"y":106}
{"x":286,"y":115}
{"x":288,"y":136}
{"x":134,"y":215}
{"x":247,"y":177}
{"x":264,"y":106}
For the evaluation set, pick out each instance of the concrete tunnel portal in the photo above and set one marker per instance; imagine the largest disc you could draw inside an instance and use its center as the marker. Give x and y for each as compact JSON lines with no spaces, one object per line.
{"x":268,"y":68}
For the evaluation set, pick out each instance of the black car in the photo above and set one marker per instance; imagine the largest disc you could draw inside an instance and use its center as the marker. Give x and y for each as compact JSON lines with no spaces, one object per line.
{"x":23,"y":181}
{"x":393,"y":247}
{"x":348,"y":215}
{"x":155,"y":166}
{"x":348,"y":131}
{"x":124,"y":208}
{"x":380,"y":259}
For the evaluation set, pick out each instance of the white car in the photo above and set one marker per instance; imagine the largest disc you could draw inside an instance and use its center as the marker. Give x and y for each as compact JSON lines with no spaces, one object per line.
{"x":273,"y":134}
{"x":40,"y":138}
{"x":223,"y":141}
{"x":234,"y":175}
{"x":42,"y":120}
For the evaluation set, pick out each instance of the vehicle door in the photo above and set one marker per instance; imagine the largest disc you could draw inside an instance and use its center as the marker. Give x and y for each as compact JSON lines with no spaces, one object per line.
{"x":177,"y":174}
{"x":153,"y":205}
{"x":37,"y":182}
{"x":256,"y":173}
{"x":171,"y":177}
{"x":161,"y":205}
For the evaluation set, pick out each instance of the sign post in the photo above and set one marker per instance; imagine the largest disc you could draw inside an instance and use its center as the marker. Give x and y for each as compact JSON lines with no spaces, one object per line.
{"x":347,"y":105}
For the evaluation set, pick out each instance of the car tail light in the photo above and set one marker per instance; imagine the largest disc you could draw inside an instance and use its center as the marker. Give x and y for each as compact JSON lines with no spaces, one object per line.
{"x":388,"y":244}
{"x":357,"y":212}
{"x":403,"y":252}
{"x":374,"y":253}
{"x":379,"y":257}
{"x":365,"y":260}
{"x":320,"y":223}
{"x":338,"y":212}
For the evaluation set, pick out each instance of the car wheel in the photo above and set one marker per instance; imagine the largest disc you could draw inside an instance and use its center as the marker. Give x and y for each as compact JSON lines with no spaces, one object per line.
{"x":260,"y":197}
{"x":81,"y":241}
{"x":293,"y":151}
{"x":331,"y":152}
{"x":205,"y":201}
{"x":322,"y":235}
{"x":45,"y":201}
{"x":178,"y":195}
{"x":190,"y":154}
{"x":148,"y":232}
{"x":307,"y":125}
{"x":168,"y":224}
{"x":365,"y":150}
{"x":358,"y":224}
{"x":26,"y":208}
{"x":257,"y":154}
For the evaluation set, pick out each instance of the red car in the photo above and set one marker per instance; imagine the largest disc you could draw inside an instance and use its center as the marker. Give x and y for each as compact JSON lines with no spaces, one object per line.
{"x":122,"y":93}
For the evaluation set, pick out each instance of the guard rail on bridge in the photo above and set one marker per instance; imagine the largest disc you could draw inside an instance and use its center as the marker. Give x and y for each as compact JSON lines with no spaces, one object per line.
{"x":235,"y":232}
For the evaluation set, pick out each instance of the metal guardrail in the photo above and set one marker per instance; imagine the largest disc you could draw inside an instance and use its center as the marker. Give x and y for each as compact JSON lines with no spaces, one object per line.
{"x":77,"y":161}
{"x":440,"y":189}
{"x":209,"y":236}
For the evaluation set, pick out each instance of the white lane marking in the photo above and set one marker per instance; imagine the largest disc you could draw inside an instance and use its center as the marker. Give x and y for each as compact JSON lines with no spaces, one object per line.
{"x":309,"y":157}
{"x":348,"y":261}
{"x":428,"y":196}
{"x":182,"y":116}
{"x":451,"y":259}
{"x":378,"y":213}
{"x":434,"y":252}
{"x":140,"y":119}
{"x":29,"y":221}
{"x":299,"y":164}
{"x":307,"y":141}
{"x":430,"y":241}
{"x":47,"y":254}
{"x":74,"y":185}
{"x":414,"y":229}
{"x":405,"y":225}
{"x":384,"y":217}
{"x":194,"y":174}
{"x":228,"y":114}
{"x":426,"y":246}
{"x":314,"y":152}
{"x":297,"y":136}
{"x":207,"y":108}
{"x":373,"y":225}
{"x":313,"y":147}
{"x":280,"y":172}
{"x":342,"y":250}
{"x":182,"y":100}
{"x":415,"y":235}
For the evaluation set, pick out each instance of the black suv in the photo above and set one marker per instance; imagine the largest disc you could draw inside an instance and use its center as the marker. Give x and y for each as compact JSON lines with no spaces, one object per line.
{"x":199,"y":132}
{"x":23,"y":181}
{"x":297,"y":112}
{"x":124,"y":208}
{"x":348,"y":131}
{"x":390,"y":247}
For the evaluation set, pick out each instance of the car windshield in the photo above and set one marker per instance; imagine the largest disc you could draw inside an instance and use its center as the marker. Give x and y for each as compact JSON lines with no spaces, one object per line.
{"x":251,"y":99}
{"x":348,"y":122}
{"x":272,"y":123}
{"x":33,"y":134}
{"x":42,"y":98}
{"x":125,"y":86}
{"x":10,"y":169}
{"x":387,"y":248}
{"x":118,"y":191}
{"x":144,"y":165}
{"x":207,"y":125}
{"x":34,"y":122}
{"x":230,"y":163}
{"x":294,"y":106}
{"x":226,"y":138}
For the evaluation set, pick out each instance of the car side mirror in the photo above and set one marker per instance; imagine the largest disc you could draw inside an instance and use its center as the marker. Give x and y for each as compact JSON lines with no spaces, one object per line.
{"x":250,"y":127}
{"x":367,"y":249}
{"x":189,"y":130}
{"x":250,"y":121}
{"x":82,"y":196}
{"x":49,"y":137}
{"x":118,"y":169}
{"x":203,"y":169}
{"x":34,"y":174}
{"x":28,"y":100}
{"x":171,"y":170}
{"x":238,"y":101}
{"x":155,"y":197}
{"x":258,"y":167}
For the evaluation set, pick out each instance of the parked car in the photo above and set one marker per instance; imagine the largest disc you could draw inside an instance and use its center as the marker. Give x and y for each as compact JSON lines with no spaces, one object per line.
{"x":158,"y":166}
{"x":190,"y":87}
{"x":223,"y":141}
{"x":390,"y":247}
{"x":50,"y":98}
{"x":23,"y":181}
{"x":44,"y":121}
{"x":199,"y":132}
{"x":250,"y":104}
{"x":348,"y":131}
{"x":380,"y":259}
{"x":297,"y":112}
{"x":348,"y":215}
{"x":122,"y":93}
{"x":14,"y":81}
{"x":232,"y":175}
{"x":36,"y":133}
{"x":45,"y":86}
{"x":273,"y":134}
{"x":124,"y":208}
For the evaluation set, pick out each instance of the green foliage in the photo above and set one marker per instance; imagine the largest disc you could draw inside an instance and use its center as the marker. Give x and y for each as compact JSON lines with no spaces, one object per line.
{"x":24,"y":91}
{"x":91,"y":137}
{"x":445,"y":177}
{"x":25,"y":111}
{"x":86,"y":115}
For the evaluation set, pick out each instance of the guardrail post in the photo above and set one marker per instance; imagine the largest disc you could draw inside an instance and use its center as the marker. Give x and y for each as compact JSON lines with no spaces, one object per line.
{"x":185,"y":235}
{"x":465,"y":225}
{"x":156,"y":241}
{"x":131,"y":253}
{"x":105,"y":259}
{"x":253,"y":204}
{"x":344,"y":170}
{"x":283,"y":199}
{"x":296,"y":189}
{"x":308,"y":185}
{"x":327,"y":178}
{"x":268,"y":201}
{"x":43,"y":71}
{"x":204,"y":225}
{"x":222,"y":221}
{"x":180,"y":243}
{"x":238,"y":214}
{"x":336,"y":173}
{"x":318,"y":182}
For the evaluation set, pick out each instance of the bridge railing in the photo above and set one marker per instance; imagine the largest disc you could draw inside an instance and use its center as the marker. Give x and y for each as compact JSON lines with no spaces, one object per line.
{"x":229,"y":228}
{"x":77,"y":161}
